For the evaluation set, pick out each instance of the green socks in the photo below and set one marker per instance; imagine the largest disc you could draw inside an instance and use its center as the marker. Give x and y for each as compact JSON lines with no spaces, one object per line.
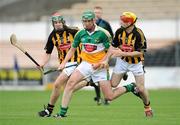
{"x":129,"y":87}
{"x":63,"y":111}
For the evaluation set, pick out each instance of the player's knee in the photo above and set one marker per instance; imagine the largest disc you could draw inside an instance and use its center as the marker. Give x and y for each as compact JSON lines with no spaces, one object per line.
{"x":141,"y":89}
{"x":71,"y":84}
{"x":57,"y":86}
{"x":113,"y":84}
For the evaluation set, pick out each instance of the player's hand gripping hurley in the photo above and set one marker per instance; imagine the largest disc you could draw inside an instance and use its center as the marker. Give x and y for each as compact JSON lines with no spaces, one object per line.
{"x":58,"y":70}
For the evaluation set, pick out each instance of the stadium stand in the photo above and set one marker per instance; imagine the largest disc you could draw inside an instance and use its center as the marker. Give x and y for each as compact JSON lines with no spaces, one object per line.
{"x":33,"y":10}
{"x":163,"y":56}
{"x":5,"y":2}
{"x":148,"y":9}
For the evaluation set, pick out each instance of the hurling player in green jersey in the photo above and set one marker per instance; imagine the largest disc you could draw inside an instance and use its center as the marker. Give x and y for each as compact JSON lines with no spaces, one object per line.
{"x":95,"y":41}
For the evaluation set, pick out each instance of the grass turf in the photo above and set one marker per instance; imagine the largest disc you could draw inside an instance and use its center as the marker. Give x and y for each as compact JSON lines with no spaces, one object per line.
{"x":21,"y":107}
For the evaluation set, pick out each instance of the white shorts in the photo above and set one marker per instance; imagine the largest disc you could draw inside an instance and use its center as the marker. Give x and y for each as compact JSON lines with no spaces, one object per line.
{"x":71,"y":66}
{"x":88,"y":72}
{"x":122,"y":66}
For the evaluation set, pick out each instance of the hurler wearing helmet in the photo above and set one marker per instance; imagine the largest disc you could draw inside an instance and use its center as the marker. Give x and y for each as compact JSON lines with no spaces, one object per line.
{"x":95,"y":42}
{"x":129,"y":45}
{"x":61,"y":38}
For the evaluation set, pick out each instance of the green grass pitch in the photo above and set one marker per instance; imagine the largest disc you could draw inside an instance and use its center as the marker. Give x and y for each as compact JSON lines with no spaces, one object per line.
{"x":21,"y":107}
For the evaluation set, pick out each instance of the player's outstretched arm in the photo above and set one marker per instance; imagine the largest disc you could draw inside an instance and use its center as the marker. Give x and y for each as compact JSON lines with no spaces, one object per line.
{"x":44,"y":60}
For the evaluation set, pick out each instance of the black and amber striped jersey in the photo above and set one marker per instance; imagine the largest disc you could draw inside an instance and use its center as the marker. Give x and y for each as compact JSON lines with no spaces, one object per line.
{"x":135,"y":39}
{"x":62,"y":40}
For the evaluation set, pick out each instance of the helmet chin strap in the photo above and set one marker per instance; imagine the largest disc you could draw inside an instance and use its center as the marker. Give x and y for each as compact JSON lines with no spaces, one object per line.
{"x":124,"y":28}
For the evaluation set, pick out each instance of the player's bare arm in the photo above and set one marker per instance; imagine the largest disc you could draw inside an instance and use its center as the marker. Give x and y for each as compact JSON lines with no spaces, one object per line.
{"x":119,"y":53}
{"x":44,"y":60}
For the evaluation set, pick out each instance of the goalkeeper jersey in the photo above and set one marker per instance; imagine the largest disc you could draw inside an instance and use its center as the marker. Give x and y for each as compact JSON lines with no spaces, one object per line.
{"x":135,"y":39}
{"x":94,"y":45}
